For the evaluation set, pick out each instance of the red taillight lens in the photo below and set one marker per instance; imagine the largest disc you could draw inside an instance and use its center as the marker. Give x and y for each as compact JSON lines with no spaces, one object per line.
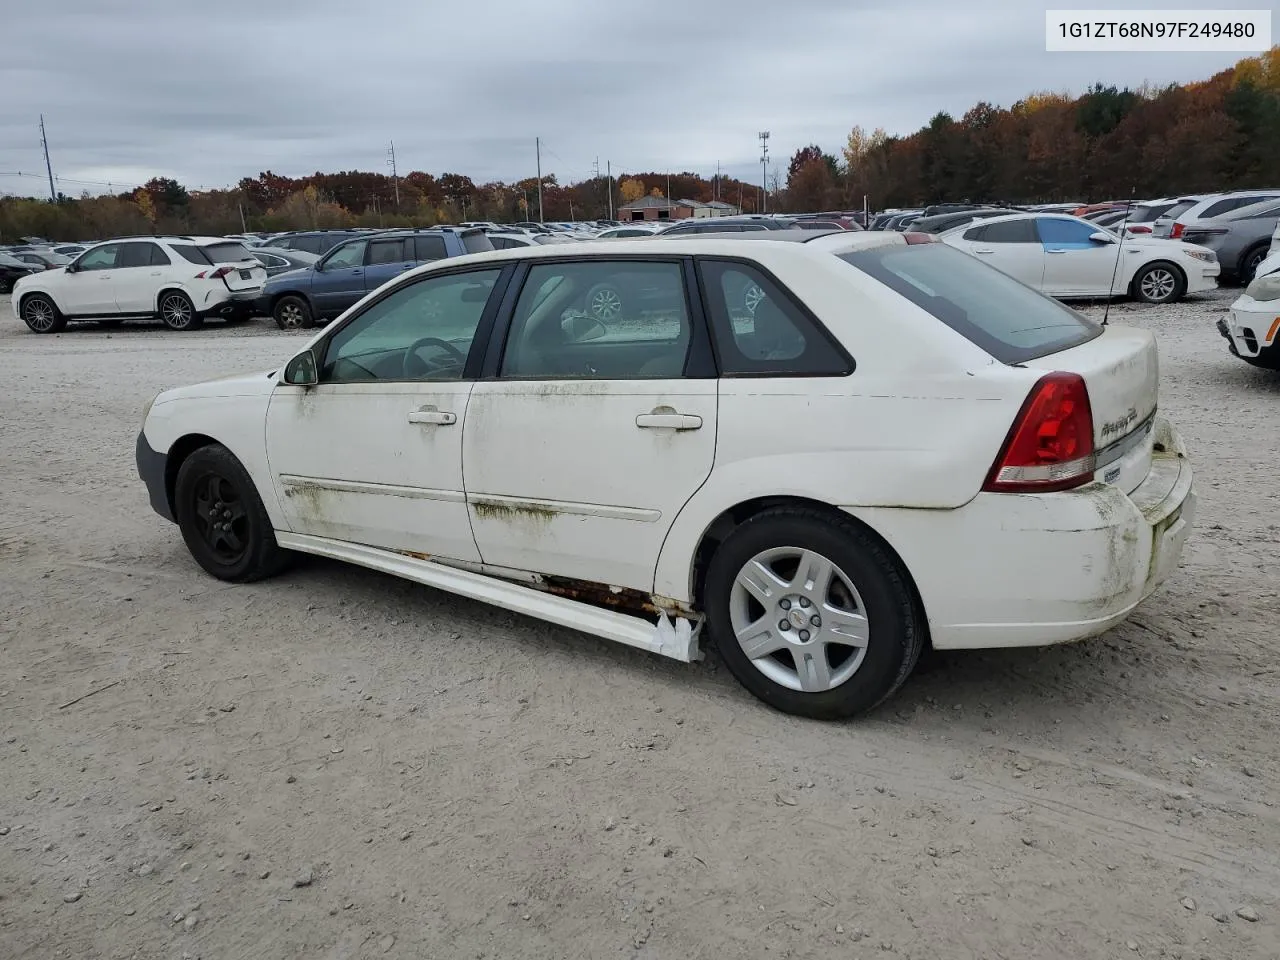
{"x":1050,"y":446}
{"x":1138,"y":228}
{"x":214,"y":274}
{"x":1177,"y":230}
{"x":919,"y":236}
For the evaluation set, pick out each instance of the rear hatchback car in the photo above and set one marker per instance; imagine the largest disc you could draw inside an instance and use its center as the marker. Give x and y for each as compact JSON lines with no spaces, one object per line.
{"x":898,"y":446}
{"x":1211,"y":208}
{"x":1240,"y":238}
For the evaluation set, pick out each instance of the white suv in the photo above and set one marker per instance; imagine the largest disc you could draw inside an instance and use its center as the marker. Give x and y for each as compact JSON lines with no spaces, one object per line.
{"x":181,"y":280}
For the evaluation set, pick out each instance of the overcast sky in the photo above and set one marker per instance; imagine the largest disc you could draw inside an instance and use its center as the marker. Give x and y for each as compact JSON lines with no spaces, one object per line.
{"x":209,"y":93}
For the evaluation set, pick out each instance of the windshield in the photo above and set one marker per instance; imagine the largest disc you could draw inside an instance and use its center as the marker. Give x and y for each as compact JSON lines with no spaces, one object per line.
{"x":1007,"y":319}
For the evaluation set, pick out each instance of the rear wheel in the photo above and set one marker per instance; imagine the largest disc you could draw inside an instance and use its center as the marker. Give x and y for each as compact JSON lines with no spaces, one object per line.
{"x":1159,"y":283}
{"x":178,"y":312}
{"x":222,"y":518}
{"x":41,"y":314}
{"x":293,"y":313}
{"x":5,"y":284}
{"x":812,"y":614}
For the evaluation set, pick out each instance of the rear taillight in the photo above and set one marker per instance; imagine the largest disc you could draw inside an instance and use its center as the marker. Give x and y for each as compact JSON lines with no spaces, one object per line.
{"x":1138,"y":228}
{"x":1050,"y":446}
{"x":919,"y":236}
{"x":1177,"y":230}
{"x":217,"y":274}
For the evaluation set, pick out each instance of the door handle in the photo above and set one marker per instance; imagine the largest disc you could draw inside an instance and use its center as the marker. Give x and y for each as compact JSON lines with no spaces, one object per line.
{"x":984,"y":250}
{"x":430,"y":414}
{"x":668,"y":421}
{"x":1055,"y":251}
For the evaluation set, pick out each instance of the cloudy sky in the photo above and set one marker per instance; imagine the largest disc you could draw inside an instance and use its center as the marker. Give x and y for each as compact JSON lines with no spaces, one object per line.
{"x":208,"y":93}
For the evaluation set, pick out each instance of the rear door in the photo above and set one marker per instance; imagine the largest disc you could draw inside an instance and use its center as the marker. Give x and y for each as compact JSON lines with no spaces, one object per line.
{"x":139,"y":273}
{"x":337,"y":281}
{"x":385,"y":259}
{"x":1011,"y":246}
{"x":590,"y":435}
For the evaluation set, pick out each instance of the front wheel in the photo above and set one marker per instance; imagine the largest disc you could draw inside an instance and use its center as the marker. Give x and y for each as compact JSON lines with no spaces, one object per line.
{"x":41,"y":314}
{"x":178,"y":312}
{"x":1249,"y":266}
{"x":222,"y":518}
{"x":5,"y":284}
{"x":812,"y":613}
{"x":1159,"y":283}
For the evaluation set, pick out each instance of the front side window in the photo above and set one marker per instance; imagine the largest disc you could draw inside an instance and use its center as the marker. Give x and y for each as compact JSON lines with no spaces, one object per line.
{"x":348,"y":255}
{"x":600,"y":319}
{"x":100,"y":258}
{"x":760,"y":330}
{"x":422,"y":331}
{"x":1061,"y":232}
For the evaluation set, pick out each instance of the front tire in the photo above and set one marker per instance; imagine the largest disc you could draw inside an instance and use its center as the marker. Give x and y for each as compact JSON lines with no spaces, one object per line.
{"x":178,"y":312}
{"x":41,"y":314}
{"x":1159,"y":283}
{"x":853,"y":626}
{"x":293,"y":313}
{"x":1249,"y":264}
{"x":222,"y":518}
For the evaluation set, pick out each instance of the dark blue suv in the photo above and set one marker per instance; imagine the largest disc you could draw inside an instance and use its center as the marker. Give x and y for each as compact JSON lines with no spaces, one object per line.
{"x":303,"y":298}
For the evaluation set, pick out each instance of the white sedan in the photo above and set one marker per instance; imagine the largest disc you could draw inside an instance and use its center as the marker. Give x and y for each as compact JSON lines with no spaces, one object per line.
{"x":1066,"y":257}
{"x":898,"y":447}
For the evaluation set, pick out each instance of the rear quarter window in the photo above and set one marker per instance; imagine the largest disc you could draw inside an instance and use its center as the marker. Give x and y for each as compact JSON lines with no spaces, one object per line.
{"x":477,"y":242}
{"x":1005,"y":318}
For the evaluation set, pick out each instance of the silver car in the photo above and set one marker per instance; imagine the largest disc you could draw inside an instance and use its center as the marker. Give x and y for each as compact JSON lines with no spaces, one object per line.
{"x":1176,"y":220}
{"x":1241,"y":238}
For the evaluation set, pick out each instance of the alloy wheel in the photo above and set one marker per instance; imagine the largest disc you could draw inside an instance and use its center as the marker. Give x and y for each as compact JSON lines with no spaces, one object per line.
{"x":39,"y":315}
{"x":799,"y":619}
{"x":176,"y":312}
{"x":290,"y":316}
{"x":1159,"y":284}
{"x":220,"y":518}
{"x":606,"y":304}
{"x":751,"y":298}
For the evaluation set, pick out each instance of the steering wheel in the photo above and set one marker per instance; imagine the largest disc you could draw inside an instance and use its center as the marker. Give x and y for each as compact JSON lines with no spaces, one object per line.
{"x":410,"y":355}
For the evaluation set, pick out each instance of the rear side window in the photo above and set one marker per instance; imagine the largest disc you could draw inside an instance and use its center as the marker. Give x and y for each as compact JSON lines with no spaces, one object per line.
{"x":477,"y":242}
{"x":134,"y":255}
{"x":760,"y":330}
{"x":429,"y":248}
{"x":1010,"y":321}
{"x":1179,"y":208}
{"x":1147,"y":214}
{"x":1021,"y":230}
{"x":386,"y":251}
{"x":227,"y":252}
{"x":1229,"y":204}
{"x":187,"y":252}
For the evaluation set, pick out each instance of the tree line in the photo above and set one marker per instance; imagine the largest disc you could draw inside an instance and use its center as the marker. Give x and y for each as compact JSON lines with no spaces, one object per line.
{"x":1107,"y":143}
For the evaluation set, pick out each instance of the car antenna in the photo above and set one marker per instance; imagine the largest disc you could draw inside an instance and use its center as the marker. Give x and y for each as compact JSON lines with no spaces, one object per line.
{"x":1106,"y":311}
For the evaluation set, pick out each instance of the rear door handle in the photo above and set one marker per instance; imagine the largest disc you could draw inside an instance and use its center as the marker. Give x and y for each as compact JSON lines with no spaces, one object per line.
{"x":984,"y":250}
{"x":1055,"y":251}
{"x":430,"y":414}
{"x":669,"y":421}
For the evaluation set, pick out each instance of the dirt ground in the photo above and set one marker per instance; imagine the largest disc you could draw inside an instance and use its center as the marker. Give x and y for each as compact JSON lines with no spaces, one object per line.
{"x":339,"y":764}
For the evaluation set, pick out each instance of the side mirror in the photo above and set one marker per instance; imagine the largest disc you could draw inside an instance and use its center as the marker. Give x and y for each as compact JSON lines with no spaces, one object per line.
{"x":318,"y":266}
{"x":579,"y":328}
{"x":1101,"y":237}
{"x":301,"y":370}
{"x":72,"y":268}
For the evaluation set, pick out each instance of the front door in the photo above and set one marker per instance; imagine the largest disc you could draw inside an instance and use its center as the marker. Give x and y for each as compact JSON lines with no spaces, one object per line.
{"x":1074,"y":265}
{"x":337,"y":281}
{"x":373,"y":453}
{"x":579,"y":455}
{"x":90,"y":290}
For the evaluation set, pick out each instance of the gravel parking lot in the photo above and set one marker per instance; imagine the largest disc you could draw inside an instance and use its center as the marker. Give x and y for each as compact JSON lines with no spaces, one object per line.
{"x":339,"y":764}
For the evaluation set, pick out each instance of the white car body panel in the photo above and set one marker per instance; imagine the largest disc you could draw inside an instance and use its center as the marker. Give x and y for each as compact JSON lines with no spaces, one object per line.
{"x":553,"y":479}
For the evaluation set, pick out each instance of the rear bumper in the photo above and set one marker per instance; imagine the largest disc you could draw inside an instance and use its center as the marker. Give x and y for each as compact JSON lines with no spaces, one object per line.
{"x":1017,"y":570}
{"x":231,"y":303}
{"x":151,"y":468}
{"x":1252,"y":331}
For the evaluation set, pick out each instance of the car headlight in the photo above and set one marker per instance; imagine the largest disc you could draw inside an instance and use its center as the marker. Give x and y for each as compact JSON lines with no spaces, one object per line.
{"x":1208,"y":256}
{"x":1265,"y":288}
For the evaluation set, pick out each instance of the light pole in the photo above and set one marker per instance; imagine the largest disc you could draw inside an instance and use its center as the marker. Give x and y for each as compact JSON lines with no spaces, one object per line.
{"x":764,"y":170}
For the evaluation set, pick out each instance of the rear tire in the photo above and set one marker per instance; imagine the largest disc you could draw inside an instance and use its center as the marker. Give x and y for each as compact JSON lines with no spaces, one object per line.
{"x":293,"y":313}
{"x":222,"y":518}
{"x":847,"y":646}
{"x":178,"y":312}
{"x":1159,"y":283}
{"x":41,"y":314}
{"x":5,"y":284}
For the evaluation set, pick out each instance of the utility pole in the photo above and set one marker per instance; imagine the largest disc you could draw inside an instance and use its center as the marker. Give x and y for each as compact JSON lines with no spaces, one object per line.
{"x":668,"y":188}
{"x":44,"y":142}
{"x":537,"y":146}
{"x":764,"y":170}
{"x":243,"y":228}
{"x":395,"y":180}
{"x":608,"y":166}
{"x":715,"y":194}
